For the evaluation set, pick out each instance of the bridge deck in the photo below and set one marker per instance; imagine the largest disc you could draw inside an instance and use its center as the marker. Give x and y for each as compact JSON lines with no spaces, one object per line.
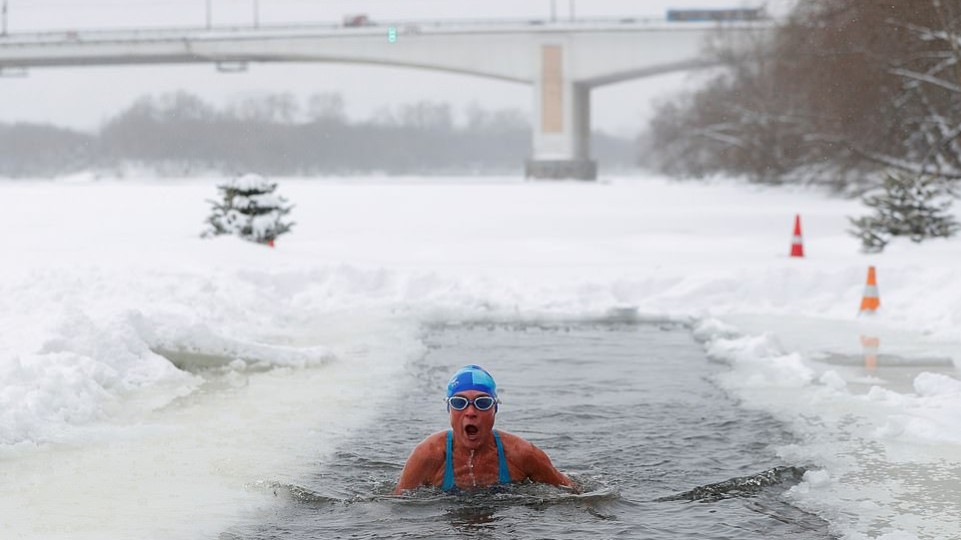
{"x":126,"y":35}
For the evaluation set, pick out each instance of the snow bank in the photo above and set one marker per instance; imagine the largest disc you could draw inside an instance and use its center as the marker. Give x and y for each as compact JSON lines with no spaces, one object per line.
{"x":113,"y":273}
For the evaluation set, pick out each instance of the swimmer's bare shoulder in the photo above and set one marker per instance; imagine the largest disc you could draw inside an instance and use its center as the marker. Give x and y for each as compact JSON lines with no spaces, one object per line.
{"x":532,"y":462}
{"x":425,"y":463}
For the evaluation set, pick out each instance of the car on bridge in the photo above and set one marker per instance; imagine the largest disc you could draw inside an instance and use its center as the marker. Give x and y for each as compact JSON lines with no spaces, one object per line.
{"x":357,"y":20}
{"x":718,"y":15}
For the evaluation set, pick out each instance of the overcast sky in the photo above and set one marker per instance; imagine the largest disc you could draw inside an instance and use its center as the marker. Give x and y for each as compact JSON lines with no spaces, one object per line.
{"x":84,"y":97}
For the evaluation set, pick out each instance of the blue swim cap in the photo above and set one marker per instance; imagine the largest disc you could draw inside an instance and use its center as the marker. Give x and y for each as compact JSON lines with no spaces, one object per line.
{"x":472,"y":378}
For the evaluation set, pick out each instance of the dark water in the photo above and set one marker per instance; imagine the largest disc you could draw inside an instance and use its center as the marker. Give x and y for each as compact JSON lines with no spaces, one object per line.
{"x":629,"y":411}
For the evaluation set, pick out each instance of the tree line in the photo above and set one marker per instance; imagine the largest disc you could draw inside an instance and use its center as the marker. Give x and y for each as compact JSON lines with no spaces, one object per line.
{"x":275,"y":134}
{"x":838,"y":92}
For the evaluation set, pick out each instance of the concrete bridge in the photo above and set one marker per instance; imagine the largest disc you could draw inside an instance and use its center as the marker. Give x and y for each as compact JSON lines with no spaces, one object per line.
{"x":562,"y":61}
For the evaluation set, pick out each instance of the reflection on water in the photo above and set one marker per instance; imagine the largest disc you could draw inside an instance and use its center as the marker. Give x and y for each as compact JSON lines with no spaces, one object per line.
{"x":869,"y":349}
{"x":628,"y":411}
{"x":871,"y":358}
{"x":875,"y":367}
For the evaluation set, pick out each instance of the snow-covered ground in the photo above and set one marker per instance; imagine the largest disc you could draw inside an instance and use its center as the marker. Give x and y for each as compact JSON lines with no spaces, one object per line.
{"x":102,"y":437}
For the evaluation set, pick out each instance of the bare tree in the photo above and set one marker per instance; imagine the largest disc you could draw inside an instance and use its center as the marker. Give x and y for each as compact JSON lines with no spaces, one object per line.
{"x":930,"y":96}
{"x":842,"y":85}
{"x":326,"y":106}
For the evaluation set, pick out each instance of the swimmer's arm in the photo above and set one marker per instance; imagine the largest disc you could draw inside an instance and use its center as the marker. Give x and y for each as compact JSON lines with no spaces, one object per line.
{"x":420,"y":469}
{"x":540,"y":469}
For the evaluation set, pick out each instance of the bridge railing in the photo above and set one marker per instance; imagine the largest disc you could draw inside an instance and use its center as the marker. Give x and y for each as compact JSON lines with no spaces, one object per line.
{"x":287,"y":29}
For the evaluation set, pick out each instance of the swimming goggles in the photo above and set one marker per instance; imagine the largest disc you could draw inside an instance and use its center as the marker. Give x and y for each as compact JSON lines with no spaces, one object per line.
{"x":481,"y":403}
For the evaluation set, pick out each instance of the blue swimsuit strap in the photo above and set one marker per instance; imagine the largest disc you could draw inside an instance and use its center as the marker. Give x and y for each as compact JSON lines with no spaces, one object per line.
{"x":503,"y":474}
{"x":449,"y":465}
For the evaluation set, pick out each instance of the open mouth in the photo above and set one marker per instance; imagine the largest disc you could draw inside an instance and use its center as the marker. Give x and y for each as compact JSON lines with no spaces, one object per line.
{"x":471,"y":431}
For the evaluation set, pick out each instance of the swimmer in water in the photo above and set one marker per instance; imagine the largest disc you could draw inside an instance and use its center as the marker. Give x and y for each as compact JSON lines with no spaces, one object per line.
{"x":472,"y":455}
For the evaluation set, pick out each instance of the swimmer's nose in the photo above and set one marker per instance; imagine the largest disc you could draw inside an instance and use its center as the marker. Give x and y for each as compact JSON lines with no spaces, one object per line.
{"x":471,"y":410}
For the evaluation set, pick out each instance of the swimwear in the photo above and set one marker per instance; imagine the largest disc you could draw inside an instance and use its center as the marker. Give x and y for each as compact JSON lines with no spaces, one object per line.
{"x":503,"y":475}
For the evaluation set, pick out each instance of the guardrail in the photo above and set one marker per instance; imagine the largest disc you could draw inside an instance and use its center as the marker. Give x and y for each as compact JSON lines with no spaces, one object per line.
{"x":286,"y":29}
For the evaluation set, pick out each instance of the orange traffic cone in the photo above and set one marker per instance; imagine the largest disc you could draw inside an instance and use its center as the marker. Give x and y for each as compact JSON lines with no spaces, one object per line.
{"x":871,"y":301}
{"x":797,"y":245}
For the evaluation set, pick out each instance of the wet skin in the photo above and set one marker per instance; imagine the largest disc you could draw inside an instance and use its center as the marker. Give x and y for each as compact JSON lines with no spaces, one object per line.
{"x":475,"y":454}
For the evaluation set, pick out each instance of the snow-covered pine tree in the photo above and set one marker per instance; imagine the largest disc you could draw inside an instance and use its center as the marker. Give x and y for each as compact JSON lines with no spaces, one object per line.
{"x":250,"y":209}
{"x":912,"y":205}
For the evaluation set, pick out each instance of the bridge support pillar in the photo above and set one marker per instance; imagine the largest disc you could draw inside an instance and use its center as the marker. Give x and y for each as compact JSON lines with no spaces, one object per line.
{"x":562,"y":122}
